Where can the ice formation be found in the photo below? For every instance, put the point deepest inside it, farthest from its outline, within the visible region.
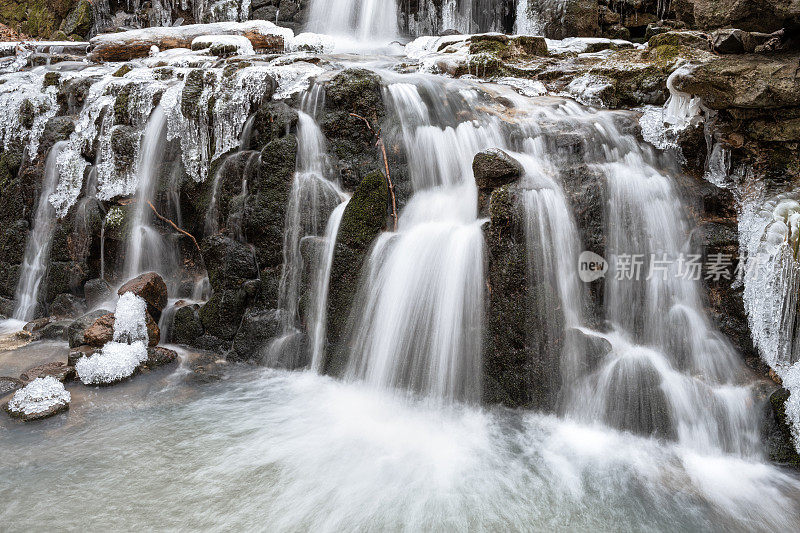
(121, 357)
(770, 235)
(39, 396)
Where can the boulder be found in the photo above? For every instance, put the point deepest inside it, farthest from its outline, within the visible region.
(57, 369)
(745, 81)
(79, 21)
(159, 356)
(778, 433)
(691, 39)
(734, 41)
(187, 326)
(222, 313)
(494, 168)
(56, 330)
(151, 288)
(39, 399)
(229, 263)
(102, 331)
(257, 328)
(749, 15)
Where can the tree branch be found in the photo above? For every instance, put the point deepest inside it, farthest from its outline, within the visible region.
(171, 223)
(379, 142)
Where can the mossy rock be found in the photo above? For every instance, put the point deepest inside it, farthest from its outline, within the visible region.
(124, 144)
(363, 220)
(122, 114)
(195, 83)
(784, 451)
(121, 71)
(27, 114)
(79, 21)
(691, 39)
(40, 20)
(222, 313)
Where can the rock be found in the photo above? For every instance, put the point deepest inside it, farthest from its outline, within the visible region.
(57, 369)
(258, 327)
(159, 356)
(151, 288)
(39, 399)
(187, 326)
(79, 21)
(690, 39)
(56, 330)
(9, 385)
(222, 313)
(97, 291)
(67, 305)
(508, 48)
(127, 45)
(494, 168)
(272, 121)
(746, 81)
(780, 445)
(56, 129)
(363, 220)
(229, 263)
(733, 41)
(749, 15)
(102, 331)
(75, 354)
(771, 130)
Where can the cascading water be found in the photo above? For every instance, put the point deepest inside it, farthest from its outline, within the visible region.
(37, 247)
(420, 325)
(312, 200)
(147, 249)
(362, 19)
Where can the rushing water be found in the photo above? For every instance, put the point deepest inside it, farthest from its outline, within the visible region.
(37, 247)
(295, 451)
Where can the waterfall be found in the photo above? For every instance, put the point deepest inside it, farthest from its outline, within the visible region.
(311, 201)
(552, 242)
(147, 249)
(37, 247)
(420, 323)
(318, 312)
(362, 19)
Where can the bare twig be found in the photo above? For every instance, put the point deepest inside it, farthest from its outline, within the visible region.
(171, 223)
(379, 143)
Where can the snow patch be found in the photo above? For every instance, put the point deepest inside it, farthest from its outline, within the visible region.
(218, 45)
(116, 362)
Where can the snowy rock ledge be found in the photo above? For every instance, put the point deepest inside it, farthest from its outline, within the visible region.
(223, 45)
(39, 399)
(124, 46)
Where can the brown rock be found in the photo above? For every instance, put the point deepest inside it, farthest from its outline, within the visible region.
(494, 168)
(58, 369)
(151, 288)
(102, 331)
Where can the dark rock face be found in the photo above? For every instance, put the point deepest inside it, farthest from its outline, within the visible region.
(257, 329)
(362, 221)
(151, 288)
(506, 364)
(187, 326)
(9, 385)
(222, 313)
(494, 168)
(96, 291)
(67, 305)
(776, 431)
(229, 263)
(359, 92)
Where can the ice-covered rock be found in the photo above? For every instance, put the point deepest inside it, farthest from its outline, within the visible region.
(130, 319)
(223, 45)
(40, 398)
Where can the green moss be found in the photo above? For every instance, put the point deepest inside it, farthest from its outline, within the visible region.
(121, 71)
(192, 90)
(27, 112)
(122, 113)
(487, 47)
(40, 21)
(365, 214)
(79, 21)
(51, 79)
